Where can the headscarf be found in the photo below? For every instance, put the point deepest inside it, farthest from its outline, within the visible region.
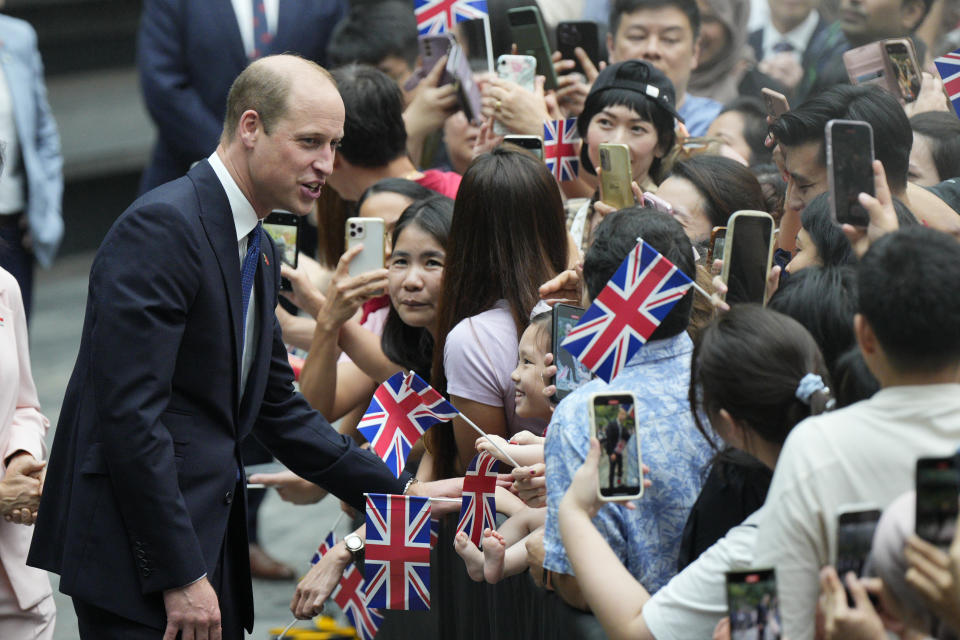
(718, 78)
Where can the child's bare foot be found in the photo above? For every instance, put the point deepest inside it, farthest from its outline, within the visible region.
(472, 557)
(493, 550)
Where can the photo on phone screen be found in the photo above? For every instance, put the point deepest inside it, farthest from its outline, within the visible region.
(718, 238)
(905, 72)
(585, 35)
(747, 253)
(753, 605)
(283, 228)
(614, 424)
(849, 169)
(938, 491)
(571, 373)
(855, 527)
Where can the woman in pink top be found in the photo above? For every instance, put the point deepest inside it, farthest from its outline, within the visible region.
(26, 601)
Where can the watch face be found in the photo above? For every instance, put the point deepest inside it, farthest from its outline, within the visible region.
(353, 542)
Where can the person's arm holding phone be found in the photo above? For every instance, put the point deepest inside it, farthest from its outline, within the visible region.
(521, 111)
(321, 381)
(431, 105)
(935, 574)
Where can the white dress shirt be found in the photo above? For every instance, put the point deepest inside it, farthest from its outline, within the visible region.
(245, 219)
(798, 38)
(244, 11)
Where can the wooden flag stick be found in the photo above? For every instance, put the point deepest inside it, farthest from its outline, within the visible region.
(490, 440)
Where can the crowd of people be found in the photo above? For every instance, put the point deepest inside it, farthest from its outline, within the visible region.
(757, 424)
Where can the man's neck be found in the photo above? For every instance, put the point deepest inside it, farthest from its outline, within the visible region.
(785, 26)
(946, 375)
(232, 161)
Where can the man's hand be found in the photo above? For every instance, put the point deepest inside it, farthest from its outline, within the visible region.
(935, 575)
(567, 287)
(430, 104)
(858, 623)
(320, 582)
(193, 611)
(20, 488)
(290, 487)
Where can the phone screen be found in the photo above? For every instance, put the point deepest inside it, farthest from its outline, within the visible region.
(753, 605)
(938, 491)
(585, 35)
(614, 422)
(748, 259)
(850, 169)
(283, 228)
(854, 539)
(571, 373)
(718, 238)
(908, 81)
(533, 144)
(472, 36)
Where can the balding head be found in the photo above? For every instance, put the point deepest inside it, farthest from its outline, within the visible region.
(264, 86)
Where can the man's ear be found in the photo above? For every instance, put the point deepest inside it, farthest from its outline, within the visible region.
(249, 128)
(696, 54)
(912, 13)
(866, 338)
(610, 55)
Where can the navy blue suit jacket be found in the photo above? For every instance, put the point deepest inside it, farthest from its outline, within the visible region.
(190, 52)
(145, 461)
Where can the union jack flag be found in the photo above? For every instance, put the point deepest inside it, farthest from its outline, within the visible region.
(559, 151)
(479, 504)
(630, 308)
(439, 16)
(402, 409)
(949, 68)
(325, 546)
(397, 552)
(349, 597)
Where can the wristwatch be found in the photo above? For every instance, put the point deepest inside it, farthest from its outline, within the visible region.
(355, 545)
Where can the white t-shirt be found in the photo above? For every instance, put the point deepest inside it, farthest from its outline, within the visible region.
(694, 601)
(865, 453)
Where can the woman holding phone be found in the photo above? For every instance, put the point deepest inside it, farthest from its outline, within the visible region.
(508, 236)
(631, 103)
(755, 375)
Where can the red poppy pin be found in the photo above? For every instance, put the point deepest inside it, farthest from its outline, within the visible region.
(266, 260)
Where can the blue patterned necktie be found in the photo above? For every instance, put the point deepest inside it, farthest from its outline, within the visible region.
(247, 273)
(261, 36)
(783, 47)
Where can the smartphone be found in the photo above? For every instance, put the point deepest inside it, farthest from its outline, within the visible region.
(747, 255)
(585, 35)
(616, 175)
(370, 233)
(752, 604)
(527, 32)
(521, 70)
(431, 48)
(849, 169)
(284, 228)
(613, 422)
(775, 102)
(533, 144)
(903, 77)
(652, 201)
(474, 37)
(866, 64)
(718, 238)
(571, 374)
(938, 493)
(855, 527)
(468, 93)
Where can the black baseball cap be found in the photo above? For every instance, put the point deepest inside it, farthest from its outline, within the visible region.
(639, 76)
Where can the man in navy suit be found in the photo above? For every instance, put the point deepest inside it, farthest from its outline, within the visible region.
(181, 358)
(190, 52)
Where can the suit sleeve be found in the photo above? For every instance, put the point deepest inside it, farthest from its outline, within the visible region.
(142, 284)
(304, 441)
(173, 102)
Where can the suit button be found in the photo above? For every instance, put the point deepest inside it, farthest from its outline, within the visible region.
(228, 497)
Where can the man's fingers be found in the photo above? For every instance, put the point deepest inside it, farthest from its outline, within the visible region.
(170, 633)
(860, 597)
(589, 69)
(432, 79)
(216, 632)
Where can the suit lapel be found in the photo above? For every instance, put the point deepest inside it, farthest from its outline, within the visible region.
(217, 220)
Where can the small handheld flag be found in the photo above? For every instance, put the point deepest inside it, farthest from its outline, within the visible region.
(349, 596)
(397, 552)
(949, 68)
(560, 152)
(439, 16)
(402, 409)
(628, 310)
(479, 504)
(325, 546)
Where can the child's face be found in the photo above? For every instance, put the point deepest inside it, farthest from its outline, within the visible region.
(528, 376)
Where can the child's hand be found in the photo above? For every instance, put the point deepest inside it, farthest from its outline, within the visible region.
(483, 444)
(525, 437)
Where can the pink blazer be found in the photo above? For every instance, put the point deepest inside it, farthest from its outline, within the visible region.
(22, 427)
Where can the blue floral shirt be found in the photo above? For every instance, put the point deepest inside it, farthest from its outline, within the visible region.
(647, 540)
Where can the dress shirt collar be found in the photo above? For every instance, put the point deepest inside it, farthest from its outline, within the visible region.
(244, 217)
(666, 349)
(799, 37)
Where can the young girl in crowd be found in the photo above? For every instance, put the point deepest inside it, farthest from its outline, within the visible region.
(508, 236)
(630, 103)
(755, 375)
(504, 553)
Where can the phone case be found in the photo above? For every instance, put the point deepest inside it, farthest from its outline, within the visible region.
(370, 233)
(848, 157)
(612, 468)
(468, 93)
(729, 243)
(585, 35)
(431, 49)
(527, 32)
(616, 176)
(775, 102)
(519, 69)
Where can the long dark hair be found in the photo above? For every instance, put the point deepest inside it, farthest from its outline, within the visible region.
(412, 347)
(508, 237)
(750, 362)
(726, 186)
